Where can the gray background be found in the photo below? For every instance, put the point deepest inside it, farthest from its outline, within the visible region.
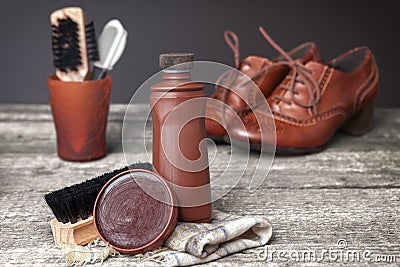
(197, 26)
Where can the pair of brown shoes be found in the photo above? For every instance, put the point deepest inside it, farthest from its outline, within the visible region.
(309, 100)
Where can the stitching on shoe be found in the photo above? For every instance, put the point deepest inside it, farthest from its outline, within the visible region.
(338, 110)
(325, 80)
(366, 87)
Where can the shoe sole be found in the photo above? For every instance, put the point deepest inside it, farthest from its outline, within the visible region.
(280, 151)
(288, 151)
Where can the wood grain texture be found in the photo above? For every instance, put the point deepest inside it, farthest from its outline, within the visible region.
(349, 191)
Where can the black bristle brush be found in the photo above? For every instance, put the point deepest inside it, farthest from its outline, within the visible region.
(69, 44)
(74, 205)
(65, 45)
(77, 201)
(91, 42)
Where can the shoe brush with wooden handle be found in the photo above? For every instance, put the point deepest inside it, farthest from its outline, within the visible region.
(111, 45)
(73, 206)
(69, 44)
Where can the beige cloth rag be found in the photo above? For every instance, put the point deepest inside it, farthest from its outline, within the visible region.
(196, 243)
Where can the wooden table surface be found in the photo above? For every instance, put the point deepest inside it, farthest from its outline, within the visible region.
(348, 193)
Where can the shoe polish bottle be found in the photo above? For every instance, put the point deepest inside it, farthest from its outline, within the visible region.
(179, 144)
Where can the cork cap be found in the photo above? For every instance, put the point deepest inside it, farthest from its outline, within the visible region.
(172, 59)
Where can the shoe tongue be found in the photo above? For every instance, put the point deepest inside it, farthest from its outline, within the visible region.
(316, 67)
(252, 64)
(317, 70)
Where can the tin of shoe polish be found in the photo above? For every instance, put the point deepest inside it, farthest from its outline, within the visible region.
(128, 218)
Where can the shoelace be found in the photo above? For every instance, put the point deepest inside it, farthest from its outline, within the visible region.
(233, 41)
(230, 77)
(300, 74)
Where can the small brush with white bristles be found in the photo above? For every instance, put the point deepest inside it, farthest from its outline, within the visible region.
(111, 45)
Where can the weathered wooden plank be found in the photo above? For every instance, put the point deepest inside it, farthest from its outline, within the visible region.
(19, 139)
(29, 128)
(349, 191)
(35, 112)
(34, 137)
(302, 219)
(46, 172)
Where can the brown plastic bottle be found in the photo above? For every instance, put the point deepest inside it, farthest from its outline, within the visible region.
(179, 154)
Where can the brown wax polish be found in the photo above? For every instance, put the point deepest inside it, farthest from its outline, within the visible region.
(129, 218)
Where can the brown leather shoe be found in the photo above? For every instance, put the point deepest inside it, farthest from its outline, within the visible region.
(313, 102)
(264, 73)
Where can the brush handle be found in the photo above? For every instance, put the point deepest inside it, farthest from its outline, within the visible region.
(98, 73)
(80, 233)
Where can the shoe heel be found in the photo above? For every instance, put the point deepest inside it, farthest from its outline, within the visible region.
(361, 122)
